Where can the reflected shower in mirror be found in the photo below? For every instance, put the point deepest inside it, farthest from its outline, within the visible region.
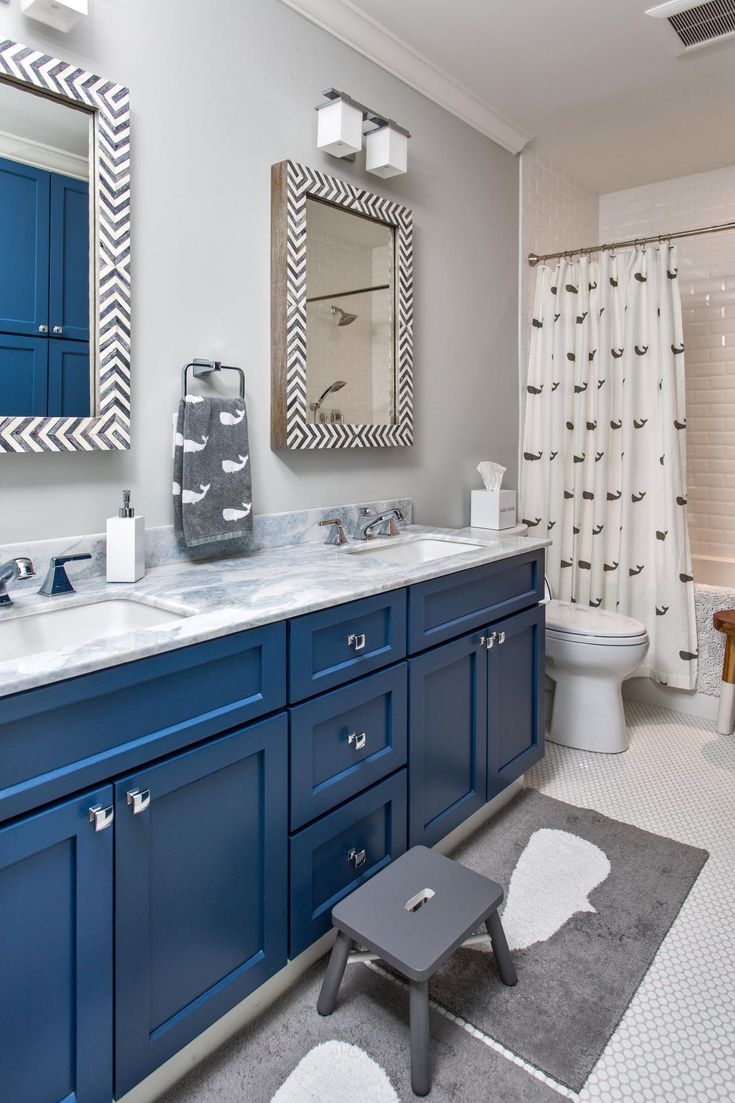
(350, 299)
(45, 271)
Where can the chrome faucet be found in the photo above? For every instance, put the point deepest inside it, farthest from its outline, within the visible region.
(336, 532)
(14, 568)
(370, 524)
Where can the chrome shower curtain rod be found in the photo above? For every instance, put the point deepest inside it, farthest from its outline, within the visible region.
(534, 258)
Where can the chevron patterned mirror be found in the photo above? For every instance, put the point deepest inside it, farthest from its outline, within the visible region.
(342, 314)
(64, 261)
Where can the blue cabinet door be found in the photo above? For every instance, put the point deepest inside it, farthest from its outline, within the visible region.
(23, 375)
(56, 956)
(24, 256)
(447, 737)
(69, 379)
(201, 915)
(69, 264)
(515, 698)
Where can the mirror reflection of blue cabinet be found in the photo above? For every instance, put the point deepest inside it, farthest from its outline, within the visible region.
(44, 293)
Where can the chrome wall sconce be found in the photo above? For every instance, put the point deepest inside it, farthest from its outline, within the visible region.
(343, 122)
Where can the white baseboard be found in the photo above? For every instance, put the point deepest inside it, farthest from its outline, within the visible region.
(679, 700)
(160, 1081)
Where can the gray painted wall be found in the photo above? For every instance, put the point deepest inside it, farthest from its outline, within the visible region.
(219, 92)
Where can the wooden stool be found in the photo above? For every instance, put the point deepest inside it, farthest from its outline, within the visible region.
(724, 621)
(414, 914)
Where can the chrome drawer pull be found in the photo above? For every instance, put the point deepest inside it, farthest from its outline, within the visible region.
(501, 637)
(357, 740)
(101, 817)
(139, 799)
(358, 642)
(357, 857)
(489, 641)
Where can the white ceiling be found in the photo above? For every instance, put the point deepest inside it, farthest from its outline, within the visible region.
(596, 84)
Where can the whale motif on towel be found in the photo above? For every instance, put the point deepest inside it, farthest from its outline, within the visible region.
(190, 497)
(190, 445)
(559, 868)
(237, 514)
(230, 466)
(176, 489)
(194, 399)
(231, 419)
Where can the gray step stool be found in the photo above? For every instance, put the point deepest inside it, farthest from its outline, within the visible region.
(413, 915)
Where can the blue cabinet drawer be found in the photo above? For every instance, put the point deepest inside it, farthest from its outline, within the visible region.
(335, 645)
(442, 608)
(340, 851)
(343, 741)
(61, 738)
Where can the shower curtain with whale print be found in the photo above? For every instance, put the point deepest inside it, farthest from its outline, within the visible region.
(604, 454)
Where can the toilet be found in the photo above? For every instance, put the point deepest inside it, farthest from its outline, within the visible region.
(589, 652)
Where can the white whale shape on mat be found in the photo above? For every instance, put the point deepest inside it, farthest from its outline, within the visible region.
(232, 419)
(551, 882)
(189, 445)
(230, 466)
(190, 497)
(336, 1072)
(237, 514)
(193, 398)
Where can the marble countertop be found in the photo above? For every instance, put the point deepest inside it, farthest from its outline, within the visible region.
(231, 595)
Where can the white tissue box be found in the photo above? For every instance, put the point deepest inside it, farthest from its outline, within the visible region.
(493, 509)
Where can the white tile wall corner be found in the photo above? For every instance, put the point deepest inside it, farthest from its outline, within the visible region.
(707, 272)
(557, 212)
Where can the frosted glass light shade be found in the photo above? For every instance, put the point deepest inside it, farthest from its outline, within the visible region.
(339, 129)
(62, 15)
(386, 152)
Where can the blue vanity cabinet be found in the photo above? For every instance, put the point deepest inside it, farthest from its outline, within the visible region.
(201, 895)
(69, 259)
(69, 379)
(515, 698)
(56, 954)
(24, 256)
(448, 737)
(23, 375)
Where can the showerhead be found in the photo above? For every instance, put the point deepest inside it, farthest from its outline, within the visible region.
(336, 386)
(345, 319)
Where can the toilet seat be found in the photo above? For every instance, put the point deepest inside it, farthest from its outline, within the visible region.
(582, 624)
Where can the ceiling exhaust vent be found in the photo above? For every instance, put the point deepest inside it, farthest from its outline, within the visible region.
(698, 24)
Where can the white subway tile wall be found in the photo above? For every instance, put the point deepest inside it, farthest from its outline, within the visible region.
(707, 273)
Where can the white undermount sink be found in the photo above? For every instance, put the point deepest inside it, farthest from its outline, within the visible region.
(73, 625)
(411, 553)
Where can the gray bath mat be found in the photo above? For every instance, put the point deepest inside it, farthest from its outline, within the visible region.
(360, 1054)
(588, 902)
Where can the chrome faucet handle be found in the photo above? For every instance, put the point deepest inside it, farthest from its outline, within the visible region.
(57, 580)
(336, 532)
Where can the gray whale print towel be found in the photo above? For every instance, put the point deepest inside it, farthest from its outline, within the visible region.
(212, 487)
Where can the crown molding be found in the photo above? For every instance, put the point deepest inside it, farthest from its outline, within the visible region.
(374, 41)
(16, 147)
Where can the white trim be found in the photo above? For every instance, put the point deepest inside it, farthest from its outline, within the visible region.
(41, 156)
(701, 705)
(370, 38)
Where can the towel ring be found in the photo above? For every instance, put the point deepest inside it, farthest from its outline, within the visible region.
(204, 367)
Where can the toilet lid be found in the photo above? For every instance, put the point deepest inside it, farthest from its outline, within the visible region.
(580, 620)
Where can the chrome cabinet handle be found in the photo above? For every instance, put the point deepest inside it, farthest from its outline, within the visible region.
(501, 637)
(489, 641)
(43, 329)
(101, 817)
(356, 857)
(139, 799)
(357, 740)
(58, 329)
(358, 642)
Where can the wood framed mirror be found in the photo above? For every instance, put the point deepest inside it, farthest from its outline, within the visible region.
(341, 314)
(65, 257)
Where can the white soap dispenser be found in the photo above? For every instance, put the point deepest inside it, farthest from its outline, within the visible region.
(125, 544)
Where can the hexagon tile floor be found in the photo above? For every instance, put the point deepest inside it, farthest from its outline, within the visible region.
(676, 1041)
